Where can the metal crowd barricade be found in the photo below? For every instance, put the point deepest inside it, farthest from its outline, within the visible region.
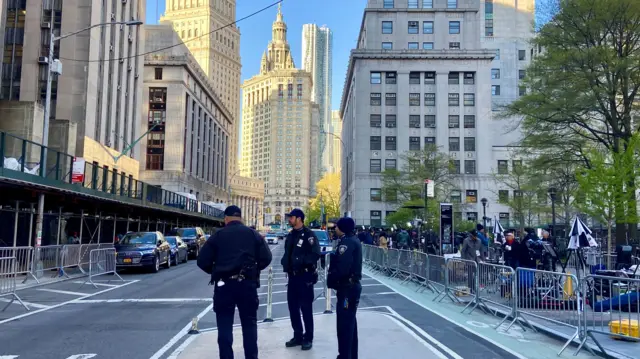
(70, 258)
(391, 261)
(23, 256)
(327, 290)
(46, 258)
(496, 285)
(84, 255)
(548, 296)
(461, 279)
(102, 262)
(420, 271)
(8, 281)
(269, 316)
(405, 265)
(611, 307)
(436, 271)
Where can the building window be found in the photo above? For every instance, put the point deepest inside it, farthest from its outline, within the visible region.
(390, 164)
(472, 216)
(158, 73)
(454, 167)
(155, 162)
(469, 144)
(375, 121)
(522, 55)
(497, 55)
(387, 27)
(414, 78)
(517, 166)
(503, 167)
(413, 4)
(412, 46)
(427, 45)
(289, 91)
(452, 4)
(390, 78)
(495, 90)
(472, 196)
(470, 167)
(454, 78)
(280, 91)
(376, 216)
(429, 78)
(495, 74)
(390, 121)
(469, 78)
(376, 78)
(390, 99)
(375, 194)
(454, 27)
(387, 4)
(414, 99)
(503, 196)
(430, 121)
(469, 99)
(522, 74)
(375, 143)
(413, 27)
(414, 143)
(427, 27)
(454, 99)
(299, 91)
(390, 143)
(488, 18)
(469, 121)
(428, 141)
(376, 99)
(456, 196)
(387, 46)
(522, 91)
(429, 99)
(454, 144)
(427, 4)
(454, 121)
(414, 121)
(454, 46)
(375, 166)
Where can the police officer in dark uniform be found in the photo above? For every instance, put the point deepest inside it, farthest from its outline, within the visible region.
(300, 262)
(345, 273)
(234, 256)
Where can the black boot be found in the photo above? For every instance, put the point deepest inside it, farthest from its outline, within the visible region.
(306, 345)
(294, 342)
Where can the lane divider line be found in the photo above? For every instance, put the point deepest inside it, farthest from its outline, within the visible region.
(28, 304)
(96, 283)
(176, 338)
(79, 294)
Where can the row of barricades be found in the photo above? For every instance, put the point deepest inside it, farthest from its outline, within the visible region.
(532, 298)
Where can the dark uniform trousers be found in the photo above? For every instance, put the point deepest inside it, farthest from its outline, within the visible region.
(300, 299)
(347, 326)
(244, 295)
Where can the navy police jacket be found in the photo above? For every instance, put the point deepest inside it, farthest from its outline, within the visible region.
(345, 263)
(301, 252)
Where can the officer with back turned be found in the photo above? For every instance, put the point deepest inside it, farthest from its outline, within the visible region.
(300, 262)
(345, 273)
(234, 256)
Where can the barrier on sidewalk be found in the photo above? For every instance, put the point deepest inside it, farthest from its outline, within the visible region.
(496, 285)
(102, 262)
(461, 278)
(70, 257)
(327, 290)
(436, 269)
(46, 258)
(269, 316)
(8, 281)
(23, 256)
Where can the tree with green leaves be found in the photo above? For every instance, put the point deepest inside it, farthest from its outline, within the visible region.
(582, 89)
(327, 199)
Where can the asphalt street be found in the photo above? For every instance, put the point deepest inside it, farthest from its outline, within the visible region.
(147, 316)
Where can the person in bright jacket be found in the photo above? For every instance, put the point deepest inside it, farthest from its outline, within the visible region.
(403, 239)
(383, 240)
(484, 239)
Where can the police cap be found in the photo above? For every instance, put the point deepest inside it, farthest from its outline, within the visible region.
(297, 212)
(232, 211)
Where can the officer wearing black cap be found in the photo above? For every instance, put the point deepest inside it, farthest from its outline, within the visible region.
(300, 262)
(234, 256)
(345, 272)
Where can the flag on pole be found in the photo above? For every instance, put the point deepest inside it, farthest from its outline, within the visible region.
(580, 236)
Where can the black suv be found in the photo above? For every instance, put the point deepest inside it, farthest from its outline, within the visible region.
(194, 238)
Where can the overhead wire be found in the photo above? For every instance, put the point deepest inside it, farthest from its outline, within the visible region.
(181, 42)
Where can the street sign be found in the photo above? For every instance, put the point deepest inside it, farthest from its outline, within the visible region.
(77, 172)
(430, 188)
(446, 227)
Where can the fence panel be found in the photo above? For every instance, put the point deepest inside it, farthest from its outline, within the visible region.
(70, 257)
(437, 267)
(611, 307)
(8, 281)
(461, 281)
(46, 258)
(405, 264)
(102, 262)
(496, 285)
(23, 256)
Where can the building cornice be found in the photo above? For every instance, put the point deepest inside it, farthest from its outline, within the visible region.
(192, 66)
(444, 54)
(275, 73)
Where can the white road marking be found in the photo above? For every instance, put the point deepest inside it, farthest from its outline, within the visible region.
(8, 356)
(80, 294)
(65, 303)
(82, 356)
(424, 342)
(440, 346)
(28, 304)
(96, 283)
(180, 334)
(508, 350)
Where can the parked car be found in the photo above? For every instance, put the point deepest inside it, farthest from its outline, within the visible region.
(282, 235)
(272, 238)
(146, 250)
(323, 239)
(194, 238)
(179, 250)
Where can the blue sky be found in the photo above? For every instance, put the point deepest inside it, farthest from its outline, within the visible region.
(343, 17)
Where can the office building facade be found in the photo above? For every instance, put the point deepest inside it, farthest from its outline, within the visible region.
(422, 74)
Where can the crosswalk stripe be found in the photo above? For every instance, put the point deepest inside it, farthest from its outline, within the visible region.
(28, 304)
(8, 356)
(82, 356)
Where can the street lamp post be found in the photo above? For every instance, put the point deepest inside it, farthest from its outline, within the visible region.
(344, 150)
(484, 212)
(47, 108)
(552, 195)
